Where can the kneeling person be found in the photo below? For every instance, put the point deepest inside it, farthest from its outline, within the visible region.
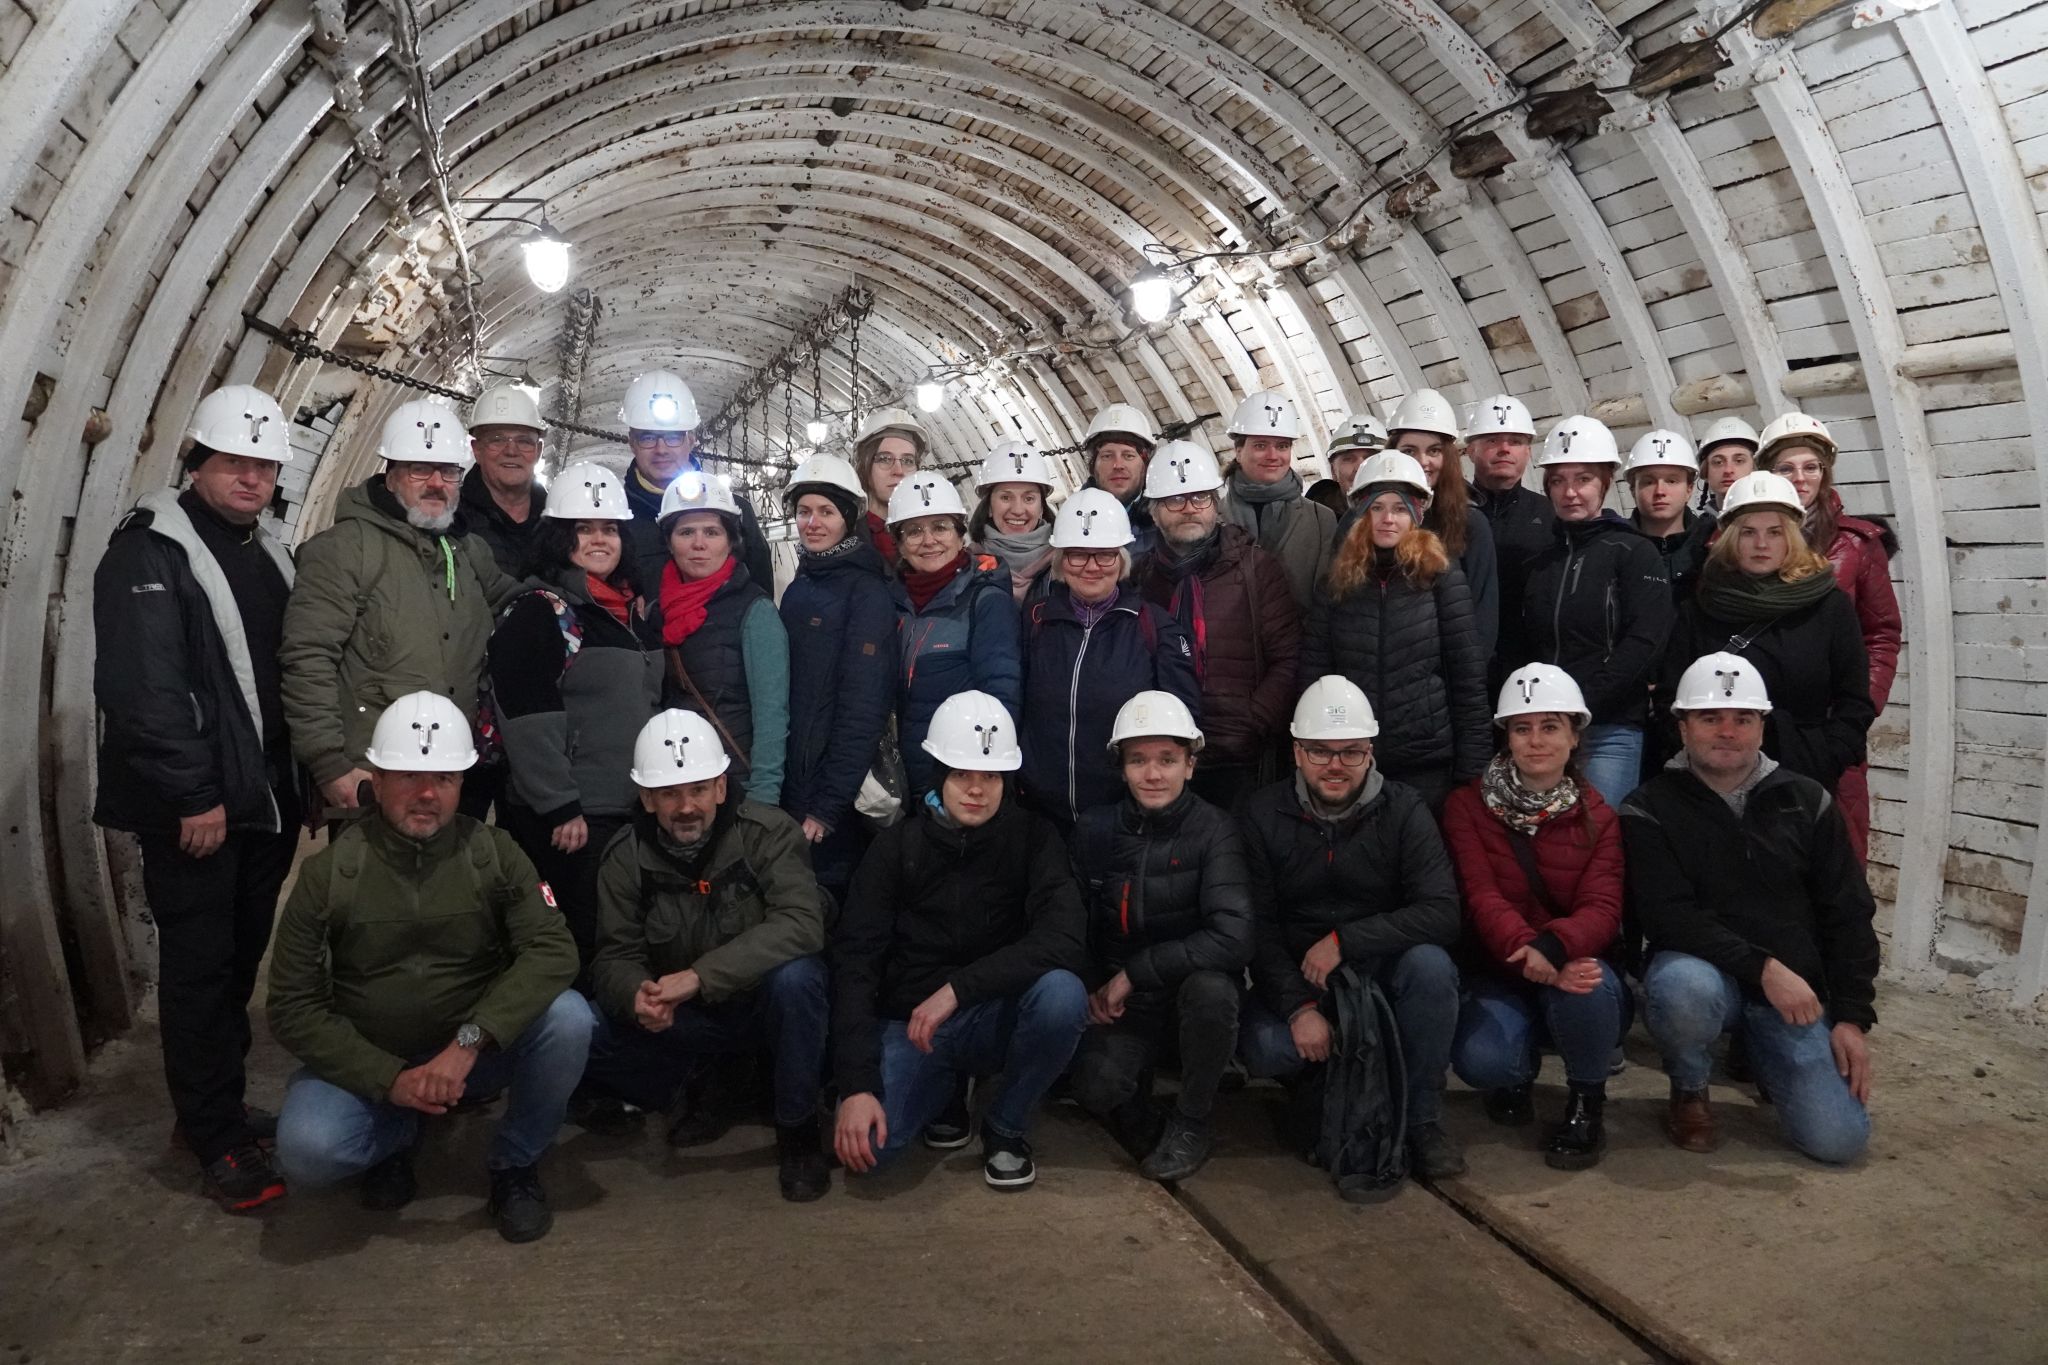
(420, 962)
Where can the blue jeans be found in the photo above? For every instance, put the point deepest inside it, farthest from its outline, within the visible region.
(326, 1134)
(1611, 757)
(1028, 1037)
(1503, 1024)
(1422, 986)
(786, 1011)
(1689, 1003)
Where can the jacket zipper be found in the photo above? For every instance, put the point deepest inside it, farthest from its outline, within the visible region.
(1123, 910)
(1074, 721)
(1557, 603)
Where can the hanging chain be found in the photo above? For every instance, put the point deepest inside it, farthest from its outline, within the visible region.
(818, 385)
(853, 376)
(788, 417)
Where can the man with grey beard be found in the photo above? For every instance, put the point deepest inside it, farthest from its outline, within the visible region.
(396, 597)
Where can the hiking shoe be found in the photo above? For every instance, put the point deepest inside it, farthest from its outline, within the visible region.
(1182, 1150)
(243, 1180)
(1510, 1106)
(800, 1167)
(1433, 1154)
(1006, 1161)
(1577, 1142)
(952, 1128)
(390, 1185)
(518, 1205)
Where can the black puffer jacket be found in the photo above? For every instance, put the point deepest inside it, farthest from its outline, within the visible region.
(1523, 525)
(1598, 606)
(1166, 892)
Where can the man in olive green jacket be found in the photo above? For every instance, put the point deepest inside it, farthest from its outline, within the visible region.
(421, 961)
(709, 929)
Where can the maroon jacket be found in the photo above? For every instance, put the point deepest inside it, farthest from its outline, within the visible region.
(1863, 569)
(1581, 868)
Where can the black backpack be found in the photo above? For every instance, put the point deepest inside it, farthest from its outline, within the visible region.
(1363, 1144)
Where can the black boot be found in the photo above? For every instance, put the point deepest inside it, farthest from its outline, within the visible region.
(1577, 1142)
(1509, 1106)
(703, 1110)
(1434, 1154)
(1182, 1150)
(800, 1163)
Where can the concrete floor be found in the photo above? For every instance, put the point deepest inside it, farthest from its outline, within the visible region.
(1935, 1248)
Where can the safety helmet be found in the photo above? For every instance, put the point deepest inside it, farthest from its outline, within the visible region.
(1268, 412)
(676, 747)
(1662, 448)
(1721, 682)
(696, 491)
(897, 419)
(1014, 462)
(1091, 519)
(1579, 440)
(1119, 419)
(1501, 415)
(1391, 466)
(1537, 688)
(927, 493)
(659, 401)
(1794, 428)
(1332, 707)
(1424, 410)
(1181, 467)
(587, 491)
(1360, 431)
(971, 731)
(1729, 429)
(421, 732)
(242, 419)
(506, 405)
(424, 431)
(1759, 491)
(1155, 715)
(823, 473)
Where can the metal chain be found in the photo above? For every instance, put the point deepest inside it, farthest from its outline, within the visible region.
(853, 378)
(788, 417)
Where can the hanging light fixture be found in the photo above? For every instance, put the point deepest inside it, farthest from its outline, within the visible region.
(816, 430)
(1152, 294)
(547, 259)
(930, 395)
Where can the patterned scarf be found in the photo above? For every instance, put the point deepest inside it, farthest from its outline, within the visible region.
(1515, 806)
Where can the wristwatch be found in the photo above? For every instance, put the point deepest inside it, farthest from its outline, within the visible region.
(470, 1036)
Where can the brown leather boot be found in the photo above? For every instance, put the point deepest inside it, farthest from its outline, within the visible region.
(1689, 1122)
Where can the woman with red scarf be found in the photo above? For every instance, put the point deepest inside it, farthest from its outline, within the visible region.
(725, 654)
(571, 685)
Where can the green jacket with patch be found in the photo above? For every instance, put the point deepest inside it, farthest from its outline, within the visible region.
(389, 944)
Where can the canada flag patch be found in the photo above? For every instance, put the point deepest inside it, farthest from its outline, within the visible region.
(547, 893)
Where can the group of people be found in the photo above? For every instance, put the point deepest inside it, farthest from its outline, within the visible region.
(1184, 773)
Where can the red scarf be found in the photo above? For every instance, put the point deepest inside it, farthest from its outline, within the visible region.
(685, 605)
(923, 587)
(613, 600)
(878, 532)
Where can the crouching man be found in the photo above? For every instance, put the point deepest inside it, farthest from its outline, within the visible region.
(1758, 922)
(709, 926)
(419, 962)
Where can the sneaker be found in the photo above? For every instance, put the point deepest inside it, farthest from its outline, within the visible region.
(951, 1129)
(243, 1180)
(800, 1167)
(1183, 1149)
(1433, 1154)
(1510, 1106)
(518, 1204)
(1006, 1161)
(390, 1185)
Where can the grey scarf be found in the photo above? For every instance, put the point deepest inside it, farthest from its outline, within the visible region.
(1248, 500)
(1022, 555)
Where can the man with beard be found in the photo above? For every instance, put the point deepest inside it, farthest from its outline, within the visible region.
(1119, 444)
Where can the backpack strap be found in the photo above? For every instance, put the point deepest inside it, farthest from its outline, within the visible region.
(1525, 854)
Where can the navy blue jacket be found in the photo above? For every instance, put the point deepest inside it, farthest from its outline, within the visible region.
(964, 640)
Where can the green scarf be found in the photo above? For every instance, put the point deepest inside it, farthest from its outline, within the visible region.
(1757, 599)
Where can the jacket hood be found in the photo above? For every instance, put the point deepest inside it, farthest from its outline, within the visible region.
(374, 504)
(1608, 523)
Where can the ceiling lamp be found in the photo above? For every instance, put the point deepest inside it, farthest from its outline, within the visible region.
(816, 430)
(547, 260)
(930, 395)
(1152, 295)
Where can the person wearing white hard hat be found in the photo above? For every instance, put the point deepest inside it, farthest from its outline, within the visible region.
(1662, 474)
(420, 963)
(660, 416)
(1425, 429)
(890, 446)
(958, 954)
(1119, 443)
(1264, 495)
(1237, 607)
(396, 596)
(1860, 549)
(1089, 645)
(1597, 603)
(1348, 869)
(1768, 596)
(1500, 437)
(194, 759)
(1361, 436)
(1165, 979)
(711, 931)
(1538, 857)
(726, 653)
(1013, 519)
(1394, 615)
(1758, 921)
(500, 496)
(572, 681)
(1727, 452)
(841, 621)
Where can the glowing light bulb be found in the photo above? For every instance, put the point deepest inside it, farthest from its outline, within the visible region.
(930, 395)
(817, 430)
(1152, 295)
(547, 262)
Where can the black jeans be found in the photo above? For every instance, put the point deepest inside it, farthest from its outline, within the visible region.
(571, 876)
(213, 918)
(1114, 1060)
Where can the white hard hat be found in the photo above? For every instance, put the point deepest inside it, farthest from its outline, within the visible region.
(1662, 448)
(1360, 431)
(1181, 467)
(1759, 491)
(1119, 419)
(1794, 428)
(1424, 410)
(1729, 429)
(676, 747)
(1721, 682)
(1579, 440)
(421, 732)
(1501, 415)
(1536, 688)
(1091, 519)
(242, 419)
(587, 491)
(424, 432)
(1268, 412)
(927, 493)
(659, 401)
(1014, 462)
(1332, 707)
(506, 405)
(696, 491)
(1152, 715)
(824, 471)
(898, 419)
(1390, 466)
(971, 731)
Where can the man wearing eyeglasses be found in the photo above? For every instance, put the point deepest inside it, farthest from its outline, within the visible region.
(1348, 867)
(660, 415)
(501, 500)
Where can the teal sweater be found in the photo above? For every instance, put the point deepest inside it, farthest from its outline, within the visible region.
(765, 646)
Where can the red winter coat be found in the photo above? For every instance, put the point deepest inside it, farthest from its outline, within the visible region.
(1583, 874)
(1863, 570)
